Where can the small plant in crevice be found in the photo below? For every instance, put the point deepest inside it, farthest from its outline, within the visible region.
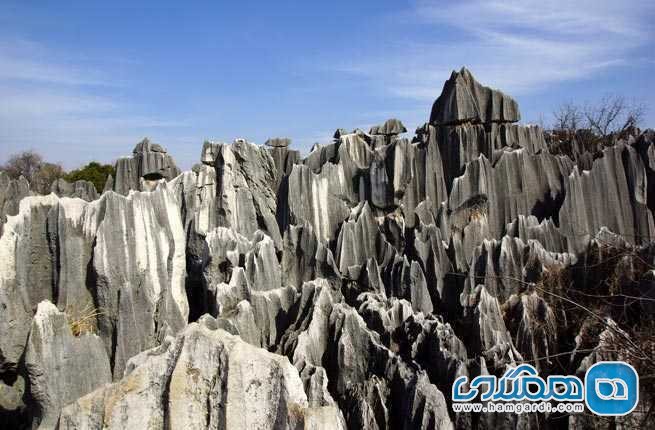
(82, 319)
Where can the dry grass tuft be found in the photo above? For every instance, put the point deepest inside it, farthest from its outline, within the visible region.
(83, 319)
(477, 212)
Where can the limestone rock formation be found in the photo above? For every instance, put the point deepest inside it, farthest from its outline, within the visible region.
(463, 99)
(391, 127)
(123, 257)
(81, 189)
(346, 289)
(204, 377)
(148, 164)
(245, 181)
(12, 191)
(61, 367)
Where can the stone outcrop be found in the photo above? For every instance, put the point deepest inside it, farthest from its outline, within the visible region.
(613, 194)
(12, 191)
(61, 367)
(122, 257)
(346, 289)
(80, 189)
(245, 181)
(204, 378)
(149, 164)
(463, 99)
(391, 127)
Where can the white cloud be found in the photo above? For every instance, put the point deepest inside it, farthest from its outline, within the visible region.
(26, 61)
(33, 102)
(519, 46)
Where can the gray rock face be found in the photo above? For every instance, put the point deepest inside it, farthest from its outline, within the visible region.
(245, 181)
(81, 189)
(205, 376)
(12, 191)
(546, 232)
(464, 143)
(346, 289)
(391, 127)
(26, 274)
(613, 194)
(463, 99)
(284, 159)
(493, 196)
(143, 298)
(322, 204)
(60, 366)
(148, 165)
(123, 258)
(209, 152)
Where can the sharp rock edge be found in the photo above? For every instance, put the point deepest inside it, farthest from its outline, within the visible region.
(345, 289)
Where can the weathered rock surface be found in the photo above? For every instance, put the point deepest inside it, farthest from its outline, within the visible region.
(121, 259)
(463, 99)
(345, 289)
(391, 127)
(61, 367)
(81, 189)
(205, 378)
(148, 165)
(245, 182)
(613, 194)
(25, 275)
(12, 191)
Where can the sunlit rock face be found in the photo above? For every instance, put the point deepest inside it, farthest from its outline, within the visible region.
(148, 164)
(347, 288)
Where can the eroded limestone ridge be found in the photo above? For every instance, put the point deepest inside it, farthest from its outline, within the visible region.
(345, 289)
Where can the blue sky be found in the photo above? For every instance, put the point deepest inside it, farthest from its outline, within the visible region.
(84, 80)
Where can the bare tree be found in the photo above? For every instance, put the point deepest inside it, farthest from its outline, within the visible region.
(30, 165)
(613, 114)
(45, 176)
(26, 164)
(568, 117)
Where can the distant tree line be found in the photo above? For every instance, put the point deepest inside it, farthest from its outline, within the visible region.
(612, 115)
(591, 127)
(93, 172)
(41, 174)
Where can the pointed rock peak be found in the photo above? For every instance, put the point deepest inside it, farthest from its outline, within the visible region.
(109, 184)
(466, 73)
(278, 142)
(463, 99)
(391, 127)
(340, 132)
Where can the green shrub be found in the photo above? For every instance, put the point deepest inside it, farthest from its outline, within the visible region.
(93, 172)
